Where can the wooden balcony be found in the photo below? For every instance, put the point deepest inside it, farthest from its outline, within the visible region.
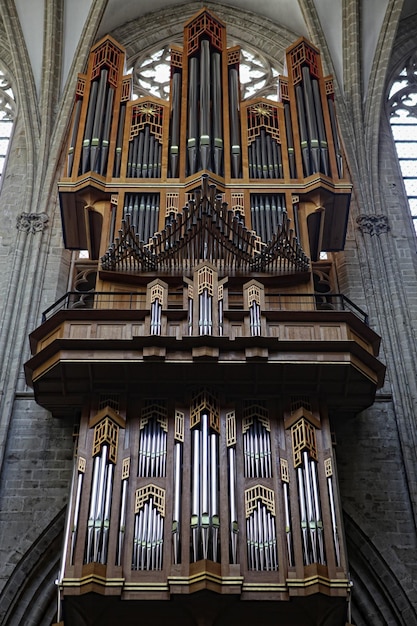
(328, 351)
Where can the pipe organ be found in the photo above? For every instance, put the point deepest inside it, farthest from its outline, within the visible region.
(205, 369)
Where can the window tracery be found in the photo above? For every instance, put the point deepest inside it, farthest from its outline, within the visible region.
(7, 116)
(151, 74)
(402, 108)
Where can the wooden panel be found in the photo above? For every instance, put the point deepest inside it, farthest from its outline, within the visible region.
(111, 331)
(79, 331)
(298, 332)
(330, 333)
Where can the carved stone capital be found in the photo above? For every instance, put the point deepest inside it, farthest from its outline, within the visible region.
(373, 224)
(32, 222)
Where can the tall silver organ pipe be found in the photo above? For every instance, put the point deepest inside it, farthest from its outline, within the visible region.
(335, 134)
(232, 505)
(235, 122)
(156, 317)
(122, 522)
(303, 130)
(152, 450)
(205, 520)
(288, 533)
(192, 115)
(313, 137)
(324, 154)
(217, 114)
(76, 124)
(257, 451)
(205, 139)
(310, 512)
(255, 319)
(336, 541)
(78, 484)
(175, 124)
(100, 506)
(205, 313)
(89, 127)
(176, 522)
(290, 140)
(119, 140)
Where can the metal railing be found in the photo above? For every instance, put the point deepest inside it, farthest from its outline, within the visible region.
(135, 300)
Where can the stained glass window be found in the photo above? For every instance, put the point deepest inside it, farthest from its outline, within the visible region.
(7, 115)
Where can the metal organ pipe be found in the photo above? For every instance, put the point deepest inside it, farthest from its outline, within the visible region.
(311, 120)
(205, 105)
(335, 134)
(192, 115)
(235, 122)
(89, 127)
(303, 130)
(290, 140)
(334, 521)
(320, 127)
(217, 113)
(232, 505)
(176, 526)
(175, 124)
(76, 124)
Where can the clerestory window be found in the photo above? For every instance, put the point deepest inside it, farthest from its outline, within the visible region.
(7, 116)
(402, 103)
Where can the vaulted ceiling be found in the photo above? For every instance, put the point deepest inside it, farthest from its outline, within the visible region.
(297, 16)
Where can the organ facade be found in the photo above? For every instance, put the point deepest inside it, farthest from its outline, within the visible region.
(204, 348)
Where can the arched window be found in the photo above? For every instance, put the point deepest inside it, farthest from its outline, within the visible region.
(402, 103)
(7, 116)
(151, 74)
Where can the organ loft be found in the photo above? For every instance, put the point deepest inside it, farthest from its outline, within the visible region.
(204, 350)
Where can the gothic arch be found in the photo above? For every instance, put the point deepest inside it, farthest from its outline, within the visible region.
(30, 596)
(377, 596)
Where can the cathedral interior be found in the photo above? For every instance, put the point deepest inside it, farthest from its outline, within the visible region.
(208, 313)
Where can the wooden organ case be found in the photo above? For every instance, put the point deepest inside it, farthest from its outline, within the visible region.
(203, 360)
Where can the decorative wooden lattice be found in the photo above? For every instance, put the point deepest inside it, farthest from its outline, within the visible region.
(205, 401)
(147, 113)
(220, 292)
(254, 295)
(328, 468)
(81, 464)
(205, 279)
(204, 23)
(303, 54)
(126, 468)
(106, 432)
(285, 476)
(233, 55)
(230, 429)
(190, 292)
(80, 86)
(303, 438)
(179, 426)
(176, 57)
(262, 115)
(157, 293)
(329, 86)
(259, 492)
(150, 491)
(252, 412)
(157, 411)
(126, 89)
(171, 203)
(238, 201)
(107, 55)
(283, 89)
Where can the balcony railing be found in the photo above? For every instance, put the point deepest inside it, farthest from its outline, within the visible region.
(136, 300)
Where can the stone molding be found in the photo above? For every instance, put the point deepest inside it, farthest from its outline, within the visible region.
(32, 222)
(373, 224)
